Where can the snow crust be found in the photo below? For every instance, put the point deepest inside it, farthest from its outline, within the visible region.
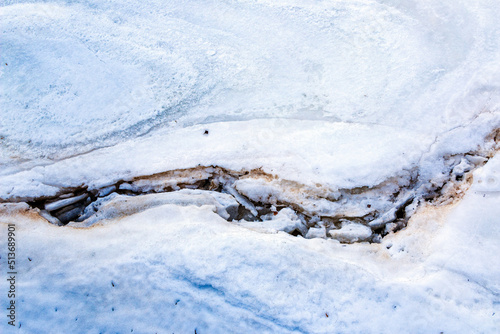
(199, 271)
(337, 155)
(324, 97)
(83, 75)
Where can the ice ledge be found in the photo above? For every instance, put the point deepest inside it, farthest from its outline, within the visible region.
(337, 155)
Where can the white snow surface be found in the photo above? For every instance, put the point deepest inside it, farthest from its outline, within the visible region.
(327, 94)
(177, 269)
(80, 75)
(332, 154)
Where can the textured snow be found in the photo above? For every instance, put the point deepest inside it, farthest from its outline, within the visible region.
(82, 75)
(176, 269)
(337, 155)
(326, 96)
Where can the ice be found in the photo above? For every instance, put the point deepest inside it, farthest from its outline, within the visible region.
(351, 232)
(121, 205)
(286, 220)
(243, 201)
(316, 232)
(201, 272)
(326, 110)
(51, 219)
(64, 202)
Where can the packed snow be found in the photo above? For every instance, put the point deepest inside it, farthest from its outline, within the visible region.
(177, 269)
(79, 75)
(251, 166)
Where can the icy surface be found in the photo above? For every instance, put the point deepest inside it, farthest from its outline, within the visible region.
(333, 154)
(79, 75)
(336, 104)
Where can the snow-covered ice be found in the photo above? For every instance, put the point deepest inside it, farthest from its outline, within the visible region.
(351, 232)
(185, 141)
(176, 269)
(79, 75)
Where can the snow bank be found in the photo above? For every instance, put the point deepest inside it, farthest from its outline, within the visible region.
(336, 155)
(175, 268)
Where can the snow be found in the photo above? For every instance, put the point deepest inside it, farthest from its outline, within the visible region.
(199, 271)
(86, 75)
(362, 155)
(351, 232)
(332, 108)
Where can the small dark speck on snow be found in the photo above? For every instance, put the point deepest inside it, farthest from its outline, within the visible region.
(205, 133)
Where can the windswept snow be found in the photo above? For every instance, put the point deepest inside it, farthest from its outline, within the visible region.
(79, 75)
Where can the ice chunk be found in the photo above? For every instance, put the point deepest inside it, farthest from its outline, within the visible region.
(121, 205)
(51, 219)
(316, 232)
(106, 191)
(286, 220)
(242, 200)
(64, 202)
(352, 232)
